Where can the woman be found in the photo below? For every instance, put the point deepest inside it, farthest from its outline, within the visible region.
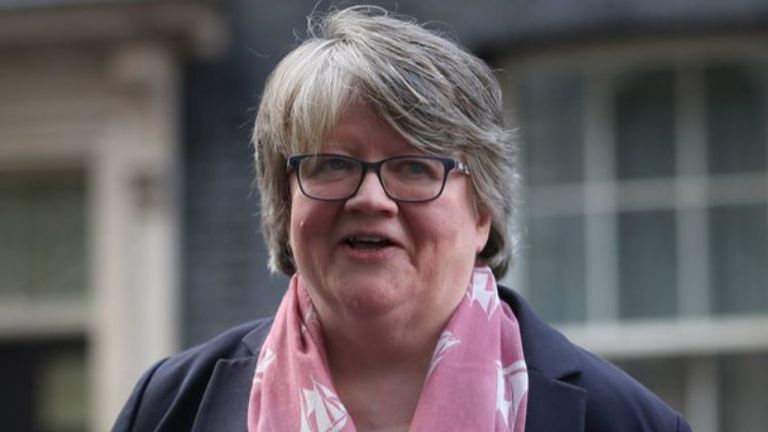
(388, 188)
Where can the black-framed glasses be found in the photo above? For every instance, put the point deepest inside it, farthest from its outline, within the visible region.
(333, 177)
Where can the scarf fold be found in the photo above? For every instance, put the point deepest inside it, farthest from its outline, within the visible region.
(477, 380)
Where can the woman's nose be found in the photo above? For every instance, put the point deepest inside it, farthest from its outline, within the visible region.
(371, 197)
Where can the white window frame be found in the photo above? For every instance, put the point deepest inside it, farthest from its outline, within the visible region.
(601, 193)
(693, 334)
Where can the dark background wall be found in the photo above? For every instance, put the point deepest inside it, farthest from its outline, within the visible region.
(225, 280)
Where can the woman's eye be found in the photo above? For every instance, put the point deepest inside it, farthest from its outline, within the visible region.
(336, 164)
(416, 168)
(412, 168)
(328, 166)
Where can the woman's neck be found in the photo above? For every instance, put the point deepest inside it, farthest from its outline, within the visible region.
(380, 391)
(379, 367)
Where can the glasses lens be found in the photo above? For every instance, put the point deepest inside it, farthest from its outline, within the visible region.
(413, 178)
(329, 177)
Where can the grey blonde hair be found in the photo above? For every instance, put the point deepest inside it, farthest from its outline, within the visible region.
(439, 97)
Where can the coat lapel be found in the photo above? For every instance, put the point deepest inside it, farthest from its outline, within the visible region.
(554, 405)
(224, 406)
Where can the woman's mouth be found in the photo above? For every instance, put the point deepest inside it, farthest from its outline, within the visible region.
(367, 242)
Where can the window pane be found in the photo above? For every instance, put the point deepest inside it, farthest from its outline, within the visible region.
(736, 119)
(644, 124)
(62, 392)
(44, 385)
(555, 254)
(42, 224)
(738, 258)
(647, 264)
(551, 127)
(743, 383)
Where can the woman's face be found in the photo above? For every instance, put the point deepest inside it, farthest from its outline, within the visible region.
(425, 263)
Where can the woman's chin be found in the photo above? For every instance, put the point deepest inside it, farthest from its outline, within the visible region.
(368, 296)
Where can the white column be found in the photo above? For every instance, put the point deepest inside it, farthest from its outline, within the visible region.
(135, 244)
(600, 200)
(701, 392)
(691, 195)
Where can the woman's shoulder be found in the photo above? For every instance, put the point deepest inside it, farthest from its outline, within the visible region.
(240, 341)
(615, 398)
(168, 394)
(565, 375)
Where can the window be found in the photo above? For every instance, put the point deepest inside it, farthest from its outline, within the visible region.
(88, 221)
(42, 224)
(43, 294)
(646, 213)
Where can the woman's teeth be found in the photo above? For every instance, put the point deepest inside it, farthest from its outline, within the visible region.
(367, 242)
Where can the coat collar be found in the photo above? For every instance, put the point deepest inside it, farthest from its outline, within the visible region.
(224, 405)
(546, 350)
(255, 338)
(554, 405)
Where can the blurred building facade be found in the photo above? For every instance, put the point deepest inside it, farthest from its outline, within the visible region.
(129, 227)
(90, 211)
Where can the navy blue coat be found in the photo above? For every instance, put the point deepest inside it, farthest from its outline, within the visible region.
(206, 388)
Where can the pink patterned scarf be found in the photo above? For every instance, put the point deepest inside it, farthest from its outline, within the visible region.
(477, 381)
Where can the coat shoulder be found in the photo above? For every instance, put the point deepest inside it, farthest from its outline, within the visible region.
(177, 383)
(612, 399)
(615, 399)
